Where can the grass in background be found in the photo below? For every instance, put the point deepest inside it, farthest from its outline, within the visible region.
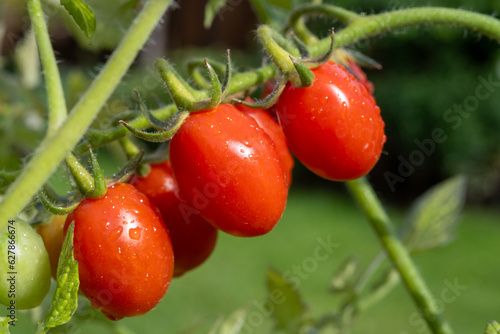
(234, 276)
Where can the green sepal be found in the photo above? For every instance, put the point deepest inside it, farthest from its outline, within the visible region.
(124, 174)
(279, 56)
(305, 74)
(226, 84)
(194, 69)
(316, 62)
(173, 124)
(181, 92)
(216, 95)
(131, 150)
(83, 179)
(100, 188)
(48, 202)
(156, 123)
(269, 100)
(65, 299)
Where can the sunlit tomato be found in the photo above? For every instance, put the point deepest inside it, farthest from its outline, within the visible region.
(228, 169)
(24, 267)
(124, 252)
(273, 129)
(333, 127)
(53, 238)
(193, 238)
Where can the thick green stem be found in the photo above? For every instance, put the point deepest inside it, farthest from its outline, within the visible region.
(365, 196)
(375, 24)
(55, 94)
(55, 148)
(296, 21)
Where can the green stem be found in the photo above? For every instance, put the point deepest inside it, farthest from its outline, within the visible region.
(414, 283)
(375, 24)
(296, 20)
(261, 11)
(54, 148)
(55, 94)
(83, 179)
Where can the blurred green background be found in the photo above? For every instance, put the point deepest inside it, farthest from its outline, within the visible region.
(426, 72)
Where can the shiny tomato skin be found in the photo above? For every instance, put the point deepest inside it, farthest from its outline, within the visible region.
(273, 130)
(333, 127)
(228, 169)
(124, 252)
(193, 238)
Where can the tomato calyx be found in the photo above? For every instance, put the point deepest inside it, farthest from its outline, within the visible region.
(186, 97)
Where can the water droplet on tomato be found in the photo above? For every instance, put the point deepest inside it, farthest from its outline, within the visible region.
(135, 233)
(116, 233)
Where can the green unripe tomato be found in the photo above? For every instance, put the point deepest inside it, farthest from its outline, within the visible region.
(24, 266)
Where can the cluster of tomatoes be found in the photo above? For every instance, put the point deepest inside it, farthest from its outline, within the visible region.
(230, 170)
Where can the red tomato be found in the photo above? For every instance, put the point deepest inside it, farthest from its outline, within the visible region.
(333, 127)
(273, 130)
(228, 168)
(193, 238)
(124, 252)
(361, 76)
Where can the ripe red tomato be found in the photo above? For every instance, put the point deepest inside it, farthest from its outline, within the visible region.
(228, 168)
(193, 238)
(124, 252)
(333, 127)
(360, 75)
(273, 130)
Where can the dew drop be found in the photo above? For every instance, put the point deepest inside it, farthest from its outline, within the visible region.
(116, 233)
(135, 233)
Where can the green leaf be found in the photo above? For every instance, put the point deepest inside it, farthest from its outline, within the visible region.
(433, 217)
(65, 300)
(234, 322)
(4, 325)
(345, 275)
(83, 16)
(492, 328)
(289, 309)
(211, 9)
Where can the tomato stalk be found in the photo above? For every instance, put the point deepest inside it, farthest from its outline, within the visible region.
(55, 94)
(371, 25)
(364, 194)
